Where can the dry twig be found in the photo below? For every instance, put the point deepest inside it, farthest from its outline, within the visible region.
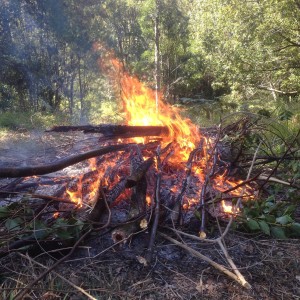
(208, 260)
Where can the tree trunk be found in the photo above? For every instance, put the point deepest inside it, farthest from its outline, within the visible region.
(156, 54)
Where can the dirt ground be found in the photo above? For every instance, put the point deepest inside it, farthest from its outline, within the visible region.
(107, 271)
(270, 266)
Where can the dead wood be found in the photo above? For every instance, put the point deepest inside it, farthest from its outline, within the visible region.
(149, 253)
(208, 177)
(176, 212)
(116, 191)
(122, 233)
(116, 131)
(59, 164)
(139, 173)
(138, 182)
(99, 205)
(219, 267)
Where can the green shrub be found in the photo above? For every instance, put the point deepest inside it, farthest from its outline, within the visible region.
(27, 120)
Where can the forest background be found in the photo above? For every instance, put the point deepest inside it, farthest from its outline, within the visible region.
(211, 56)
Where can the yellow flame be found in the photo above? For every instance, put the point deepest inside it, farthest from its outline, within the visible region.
(229, 208)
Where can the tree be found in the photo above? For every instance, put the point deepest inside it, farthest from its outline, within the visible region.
(248, 45)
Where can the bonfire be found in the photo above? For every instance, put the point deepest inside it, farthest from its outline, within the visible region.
(158, 167)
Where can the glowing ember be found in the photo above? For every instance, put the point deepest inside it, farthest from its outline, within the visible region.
(56, 215)
(148, 200)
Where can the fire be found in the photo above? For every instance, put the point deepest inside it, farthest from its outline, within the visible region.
(139, 103)
(56, 215)
(148, 200)
(141, 109)
(76, 196)
(228, 208)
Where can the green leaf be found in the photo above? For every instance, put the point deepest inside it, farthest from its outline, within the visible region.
(283, 220)
(197, 215)
(296, 228)
(41, 233)
(265, 228)
(13, 224)
(4, 212)
(278, 232)
(63, 234)
(285, 115)
(253, 225)
(290, 209)
(270, 218)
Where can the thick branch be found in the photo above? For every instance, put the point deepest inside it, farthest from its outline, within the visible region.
(59, 164)
(116, 131)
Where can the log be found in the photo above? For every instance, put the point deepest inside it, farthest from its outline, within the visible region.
(137, 180)
(115, 131)
(60, 164)
(139, 173)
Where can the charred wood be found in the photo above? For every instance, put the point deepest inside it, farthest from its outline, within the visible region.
(139, 173)
(116, 131)
(150, 250)
(138, 198)
(59, 164)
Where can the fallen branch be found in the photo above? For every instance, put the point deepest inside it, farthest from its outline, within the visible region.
(280, 161)
(59, 164)
(273, 179)
(39, 196)
(139, 173)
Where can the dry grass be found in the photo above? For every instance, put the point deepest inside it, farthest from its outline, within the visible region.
(271, 267)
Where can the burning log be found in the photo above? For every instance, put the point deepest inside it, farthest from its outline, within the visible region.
(116, 131)
(139, 173)
(59, 164)
(157, 207)
(137, 180)
(99, 205)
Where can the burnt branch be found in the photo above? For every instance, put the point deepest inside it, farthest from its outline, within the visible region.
(156, 209)
(60, 164)
(139, 173)
(115, 131)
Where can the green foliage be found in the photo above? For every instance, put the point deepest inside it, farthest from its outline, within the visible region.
(248, 45)
(274, 218)
(25, 120)
(20, 223)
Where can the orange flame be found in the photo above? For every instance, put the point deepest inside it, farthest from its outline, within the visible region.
(141, 108)
(229, 208)
(139, 103)
(76, 196)
(56, 215)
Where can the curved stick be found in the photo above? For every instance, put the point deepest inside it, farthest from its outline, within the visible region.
(57, 165)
